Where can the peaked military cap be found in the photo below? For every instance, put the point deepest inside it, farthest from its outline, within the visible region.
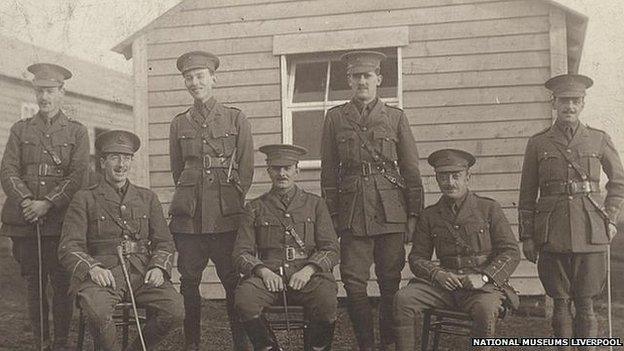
(197, 59)
(451, 160)
(48, 74)
(117, 141)
(569, 85)
(362, 61)
(282, 154)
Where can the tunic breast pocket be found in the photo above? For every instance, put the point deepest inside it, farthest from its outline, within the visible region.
(190, 143)
(591, 164)
(269, 233)
(30, 148)
(478, 233)
(387, 142)
(227, 140)
(139, 224)
(552, 166)
(345, 142)
(309, 232)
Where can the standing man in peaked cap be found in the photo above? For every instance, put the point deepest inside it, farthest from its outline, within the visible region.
(372, 186)
(476, 248)
(211, 152)
(43, 165)
(565, 226)
(116, 213)
(288, 229)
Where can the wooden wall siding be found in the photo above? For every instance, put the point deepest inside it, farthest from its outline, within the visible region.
(91, 112)
(473, 76)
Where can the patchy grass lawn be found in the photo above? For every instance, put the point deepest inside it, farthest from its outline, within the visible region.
(15, 331)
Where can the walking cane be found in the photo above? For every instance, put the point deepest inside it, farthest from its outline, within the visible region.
(609, 294)
(134, 307)
(40, 281)
(290, 346)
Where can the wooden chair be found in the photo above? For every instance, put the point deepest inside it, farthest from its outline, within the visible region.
(123, 318)
(275, 317)
(438, 321)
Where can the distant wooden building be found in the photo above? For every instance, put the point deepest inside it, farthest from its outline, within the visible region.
(469, 74)
(98, 97)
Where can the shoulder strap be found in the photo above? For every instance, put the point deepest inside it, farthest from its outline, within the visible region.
(118, 221)
(288, 228)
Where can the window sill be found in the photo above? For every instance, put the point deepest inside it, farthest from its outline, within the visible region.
(310, 164)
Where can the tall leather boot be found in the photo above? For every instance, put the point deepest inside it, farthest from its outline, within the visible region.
(387, 338)
(258, 333)
(239, 337)
(405, 337)
(192, 316)
(361, 317)
(585, 321)
(32, 286)
(321, 336)
(62, 310)
(562, 320)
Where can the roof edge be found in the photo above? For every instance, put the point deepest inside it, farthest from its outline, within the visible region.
(125, 46)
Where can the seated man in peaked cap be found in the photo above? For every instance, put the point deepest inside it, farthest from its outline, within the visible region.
(289, 230)
(476, 248)
(115, 213)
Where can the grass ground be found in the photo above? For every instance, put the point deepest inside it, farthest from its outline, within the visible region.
(15, 333)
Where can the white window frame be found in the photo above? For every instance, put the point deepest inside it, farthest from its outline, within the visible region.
(28, 110)
(288, 66)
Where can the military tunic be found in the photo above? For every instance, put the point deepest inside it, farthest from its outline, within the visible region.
(43, 161)
(560, 220)
(97, 221)
(476, 240)
(206, 143)
(262, 241)
(362, 199)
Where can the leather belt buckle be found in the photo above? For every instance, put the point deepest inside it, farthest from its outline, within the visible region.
(367, 168)
(579, 187)
(205, 164)
(129, 247)
(42, 169)
(290, 253)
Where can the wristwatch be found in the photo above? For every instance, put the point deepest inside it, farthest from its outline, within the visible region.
(485, 278)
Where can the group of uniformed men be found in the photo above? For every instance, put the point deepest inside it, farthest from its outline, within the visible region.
(286, 241)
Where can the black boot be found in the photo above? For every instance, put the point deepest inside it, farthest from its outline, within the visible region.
(361, 316)
(321, 335)
(258, 333)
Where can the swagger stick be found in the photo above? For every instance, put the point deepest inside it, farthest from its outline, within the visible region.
(290, 346)
(609, 294)
(40, 282)
(134, 307)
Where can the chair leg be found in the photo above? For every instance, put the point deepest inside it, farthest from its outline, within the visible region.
(424, 342)
(436, 339)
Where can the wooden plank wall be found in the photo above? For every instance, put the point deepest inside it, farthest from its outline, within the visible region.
(91, 112)
(473, 75)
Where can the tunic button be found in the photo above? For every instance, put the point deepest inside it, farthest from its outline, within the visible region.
(363, 146)
(42, 183)
(204, 141)
(456, 226)
(126, 237)
(45, 151)
(124, 222)
(286, 265)
(481, 231)
(226, 134)
(103, 218)
(47, 135)
(122, 207)
(570, 197)
(207, 171)
(364, 128)
(287, 215)
(204, 125)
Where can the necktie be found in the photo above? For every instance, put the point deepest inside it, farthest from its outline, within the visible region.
(455, 209)
(569, 133)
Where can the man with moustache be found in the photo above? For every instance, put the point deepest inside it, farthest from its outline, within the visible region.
(287, 229)
(43, 165)
(372, 186)
(566, 227)
(476, 248)
(211, 153)
(116, 213)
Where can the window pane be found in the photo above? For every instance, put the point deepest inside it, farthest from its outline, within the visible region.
(307, 128)
(339, 88)
(310, 82)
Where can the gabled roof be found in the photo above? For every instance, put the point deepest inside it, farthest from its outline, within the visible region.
(576, 24)
(89, 79)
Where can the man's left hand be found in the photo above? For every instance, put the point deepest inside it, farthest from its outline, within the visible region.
(474, 281)
(37, 209)
(155, 277)
(301, 277)
(410, 227)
